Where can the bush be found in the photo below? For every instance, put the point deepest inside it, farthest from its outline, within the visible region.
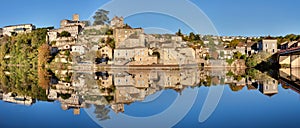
(65, 34)
(65, 96)
(230, 61)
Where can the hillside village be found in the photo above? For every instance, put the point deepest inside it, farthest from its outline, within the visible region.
(116, 43)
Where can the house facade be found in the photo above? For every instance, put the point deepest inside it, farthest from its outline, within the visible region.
(73, 26)
(134, 56)
(106, 51)
(121, 34)
(21, 28)
(117, 22)
(177, 56)
(268, 45)
(78, 49)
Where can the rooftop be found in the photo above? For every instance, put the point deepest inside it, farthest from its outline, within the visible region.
(17, 25)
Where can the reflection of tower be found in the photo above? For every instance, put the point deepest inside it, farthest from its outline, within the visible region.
(101, 112)
(76, 111)
(269, 87)
(117, 108)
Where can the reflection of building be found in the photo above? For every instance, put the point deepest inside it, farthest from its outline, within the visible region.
(269, 87)
(120, 87)
(117, 108)
(14, 98)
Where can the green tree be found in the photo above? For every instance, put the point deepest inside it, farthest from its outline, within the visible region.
(237, 55)
(234, 43)
(179, 33)
(87, 23)
(65, 34)
(100, 17)
(222, 54)
(192, 36)
(110, 42)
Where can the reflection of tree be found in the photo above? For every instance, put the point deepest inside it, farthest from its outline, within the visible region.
(235, 88)
(23, 81)
(44, 79)
(208, 81)
(101, 112)
(43, 55)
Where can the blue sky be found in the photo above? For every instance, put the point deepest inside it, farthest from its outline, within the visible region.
(230, 17)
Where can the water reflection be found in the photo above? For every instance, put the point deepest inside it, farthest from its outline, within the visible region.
(113, 89)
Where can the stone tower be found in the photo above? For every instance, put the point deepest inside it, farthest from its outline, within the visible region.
(75, 17)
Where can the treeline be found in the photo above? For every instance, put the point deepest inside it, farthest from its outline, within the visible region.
(22, 64)
(23, 81)
(288, 38)
(22, 49)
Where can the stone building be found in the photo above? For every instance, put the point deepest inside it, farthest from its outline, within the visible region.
(74, 27)
(251, 47)
(241, 47)
(117, 22)
(177, 56)
(268, 45)
(133, 41)
(21, 28)
(106, 51)
(63, 43)
(121, 34)
(134, 56)
(78, 49)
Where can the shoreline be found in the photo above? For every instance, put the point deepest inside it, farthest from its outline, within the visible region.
(147, 67)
